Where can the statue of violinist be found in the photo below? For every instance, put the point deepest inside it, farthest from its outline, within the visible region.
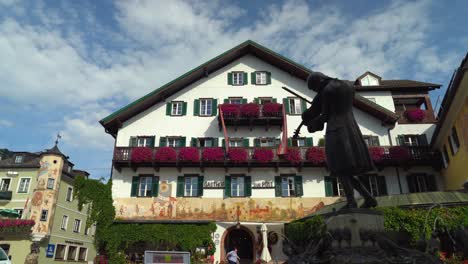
(346, 152)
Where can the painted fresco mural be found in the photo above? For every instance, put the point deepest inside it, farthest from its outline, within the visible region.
(166, 207)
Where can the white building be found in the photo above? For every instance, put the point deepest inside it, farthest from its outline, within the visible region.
(152, 186)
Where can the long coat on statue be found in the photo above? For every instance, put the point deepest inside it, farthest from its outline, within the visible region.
(345, 148)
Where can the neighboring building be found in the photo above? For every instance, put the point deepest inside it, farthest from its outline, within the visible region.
(152, 184)
(39, 186)
(451, 133)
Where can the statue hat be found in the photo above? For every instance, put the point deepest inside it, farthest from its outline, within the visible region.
(317, 80)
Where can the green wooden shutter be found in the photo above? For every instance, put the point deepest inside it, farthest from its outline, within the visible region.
(163, 141)
(451, 146)
(246, 78)
(278, 186)
(223, 143)
(401, 140)
(215, 142)
(155, 189)
(253, 79)
(286, 105)
(381, 185)
(422, 140)
(193, 142)
(168, 108)
(196, 107)
(229, 80)
(245, 142)
(150, 142)
(290, 141)
(431, 183)
(200, 186)
(180, 186)
(298, 185)
(303, 105)
(268, 77)
(184, 108)
(226, 101)
(227, 186)
(309, 142)
(274, 100)
(247, 186)
(256, 142)
(256, 100)
(214, 107)
(328, 186)
(133, 141)
(182, 142)
(244, 100)
(134, 189)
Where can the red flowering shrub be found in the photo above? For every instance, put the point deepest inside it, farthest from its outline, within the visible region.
(213, 154)
(250, 110)
(165, 154)
(263, 155)
(272, 109)
(142, 154)
(415, 115)
(16, 225)
(316, 155)
(230, 110)
(190, 154)
(293, 156)
(399, 153)
(237, 155)
(377, 153)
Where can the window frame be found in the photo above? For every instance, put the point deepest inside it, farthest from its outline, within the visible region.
(148, 188)
(241, 80)
(267, 139)
(2, 184)
(208, 109)
(205, 139)
(19, 159)
(85, 255)
(371, 139)
(144, 140)
(230, 100)
(68, 252)
(454, 141)
(20, 211)
(79, 226)
(257, 79)
(179, 106)
(261, 100)
(175, 140)
(67, 198)
(288, 178)
(48, 186)
(445, 157)
(44, 219)
(299, 103)
(239, 142)
(240, 187)
(295, 142)
(64, 251)
(64, 225)
(193, 182)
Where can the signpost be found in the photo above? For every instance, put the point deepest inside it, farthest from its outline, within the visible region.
(50, 250)
(167, 257)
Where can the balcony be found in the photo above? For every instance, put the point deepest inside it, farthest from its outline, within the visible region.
(251, 157)
(5, 195)
(250, 115)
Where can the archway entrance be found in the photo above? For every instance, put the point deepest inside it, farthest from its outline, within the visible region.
(242, 239)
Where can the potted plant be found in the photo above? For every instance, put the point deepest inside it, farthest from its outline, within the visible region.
(237, 155)
(316, 155)
(415, 115)
(230, 110)
(189, 154)
(272, 109)
(293, 156)
(377, 154)
(250, 110)
(213, 154)
(165, 154)
(142, 154)
(16, 225)
(263, 155)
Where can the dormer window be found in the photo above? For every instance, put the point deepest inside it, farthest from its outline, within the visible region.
(369, 79)
(18, 159)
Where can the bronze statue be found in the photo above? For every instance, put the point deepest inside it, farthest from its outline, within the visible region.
(346, 152)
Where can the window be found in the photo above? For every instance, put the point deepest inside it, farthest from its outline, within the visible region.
(412, 140)
(237, 186)
(145, 186)
(144, 141)
(50, 183)
(454, 141)
(87, 231)
(260, 78)
(445, 158)
(267, 142)
(176, 108)
(204, 142)
(206, 107)
(60, 251)
(82, 254)
(369, 80)
(235, 142)
(20, 213)
(69, 194)
(264, 100)
(421, 182)
(44, 214)
(375, 184)
(287, 186)
(238, 78)
(333, 187)
(77, 226)
(298, 142)
(71, 253)
(295, 106)
(18, 158)
(371, 140)
(173, 142)
(5, 185)
(191, 186)
(64, 224)
(235, 100)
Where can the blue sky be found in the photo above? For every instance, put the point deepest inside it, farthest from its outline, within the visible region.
(67, 64)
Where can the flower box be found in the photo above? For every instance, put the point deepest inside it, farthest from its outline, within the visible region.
(293, 156)
(399, 153)
(415, 115)
(230, 110)
(16, 225)
(237, 155)
(272, 109)
(263, 155)
(142, 154)
(250, 110)
(189, 154)
(316, 155)
(377, 154)
(165, 154)
(213, 154)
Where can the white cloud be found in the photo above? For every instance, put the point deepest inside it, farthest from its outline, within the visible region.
(5, 123)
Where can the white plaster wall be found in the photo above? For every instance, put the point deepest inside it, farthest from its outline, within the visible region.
(383, 98)
(410, 129)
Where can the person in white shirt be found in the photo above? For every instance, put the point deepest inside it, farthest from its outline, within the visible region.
(232, 256)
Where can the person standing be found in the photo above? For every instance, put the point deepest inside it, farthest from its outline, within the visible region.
(232, 256)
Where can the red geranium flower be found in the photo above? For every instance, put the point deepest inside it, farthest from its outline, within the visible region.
(316, 155)
(250, 110)
(415, 115)
(263, 155)
(377, 153)
(399, 153)
(189, 154)
(237, 155)
(142, 154)
(293, 156)
(165, 154)
(230, 110)
(272, 109)
(213, 154)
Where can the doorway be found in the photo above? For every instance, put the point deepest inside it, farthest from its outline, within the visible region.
(242, 239)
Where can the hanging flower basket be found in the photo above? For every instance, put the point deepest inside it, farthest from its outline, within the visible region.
(213, 154)
(237, 155)
(272, 109)
(142, 154)
(399, 153)
(189, 154)
(377, 154)
(16, 225)
(316, 155)
(230, 110)
(293, 156)
(263, 155)
(165, 154)
(415, 115)
(250, 110)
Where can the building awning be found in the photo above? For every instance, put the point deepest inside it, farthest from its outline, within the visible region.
(9, 213)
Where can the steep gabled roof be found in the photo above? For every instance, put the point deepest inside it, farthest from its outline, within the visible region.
(113, 122)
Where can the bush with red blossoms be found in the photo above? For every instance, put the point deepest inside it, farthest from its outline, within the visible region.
(263, 155)
(16, 225)
(250, 110)
(415, 115)
(272, 109)
(237, 155)
(189, 154)
(142, 154)
(213, 154)
(230, 110)
(377, 153)
(399, 153)
(293, 156)
(165, 154)
(316, 155)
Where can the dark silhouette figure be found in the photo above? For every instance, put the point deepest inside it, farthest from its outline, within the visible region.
(346, 151)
